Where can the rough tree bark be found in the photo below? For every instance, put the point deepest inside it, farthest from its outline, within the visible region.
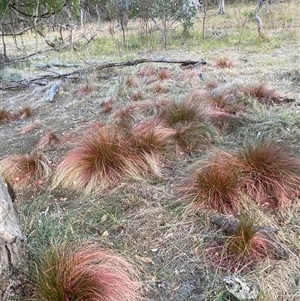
(12, 249)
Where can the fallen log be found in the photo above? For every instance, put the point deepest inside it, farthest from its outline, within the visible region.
(24, 83)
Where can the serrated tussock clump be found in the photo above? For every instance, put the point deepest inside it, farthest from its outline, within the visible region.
(243, 249)
(5, 116)
(271, 174)
(26, 170)
(85, 273)
(50, 139)
(224, 62)
(102, 158)
(214, 185)
(265, 171)
(263, 93)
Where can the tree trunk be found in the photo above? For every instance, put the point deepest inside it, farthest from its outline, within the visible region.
(12, 249)
(221, 9)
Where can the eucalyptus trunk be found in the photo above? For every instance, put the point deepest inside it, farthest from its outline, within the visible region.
(12, 249)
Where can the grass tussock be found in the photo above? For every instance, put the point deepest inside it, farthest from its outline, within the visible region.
(263, 93)
(85, 90)
(5, 116)
(24, 113)
(159, 88)
(164, 74)
(214, 185)
(21, 114)
(227, 123)
(147, 71)
(137, 95)
(184, 112)
(107, 105)
(224, 107)
(131, 81)
(227, 100)
(194, 136)
(224, 62)
(265, 171)
(50, 139)
(102, 158)
(190, 74)
(187, 118)
(271, 174)
(152, 137)
(153, 107)
(26, 170)
(124, 118)
(244, 249)
(85, 273)
(98, 160)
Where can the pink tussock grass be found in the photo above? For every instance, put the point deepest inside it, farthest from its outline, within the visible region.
(86, 273)
(26, 170)
(271, 174)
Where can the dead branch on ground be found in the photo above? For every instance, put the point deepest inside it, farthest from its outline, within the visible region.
(40, 80)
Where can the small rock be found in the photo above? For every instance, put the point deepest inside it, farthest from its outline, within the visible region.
(52, 93)
(241, 289)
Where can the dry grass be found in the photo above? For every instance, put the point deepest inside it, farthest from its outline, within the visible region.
(263, 93)
(24, 171)
(224, 107)
(147, 219)
(243, 250)
(190, 74)
(224, 62)
(50, 139)
(31, 127)
(159, 88)
(164, 73)
(85, 90)
(214, 185)
(102, 158)
(271, 174)
(85, 273)
(5, 116)
(227, 123)
(21, 114)
(107, 105)
(131, 81)
(137, 95)
(226, 99)
(124, 118)
(147, 71)
(152, 107)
